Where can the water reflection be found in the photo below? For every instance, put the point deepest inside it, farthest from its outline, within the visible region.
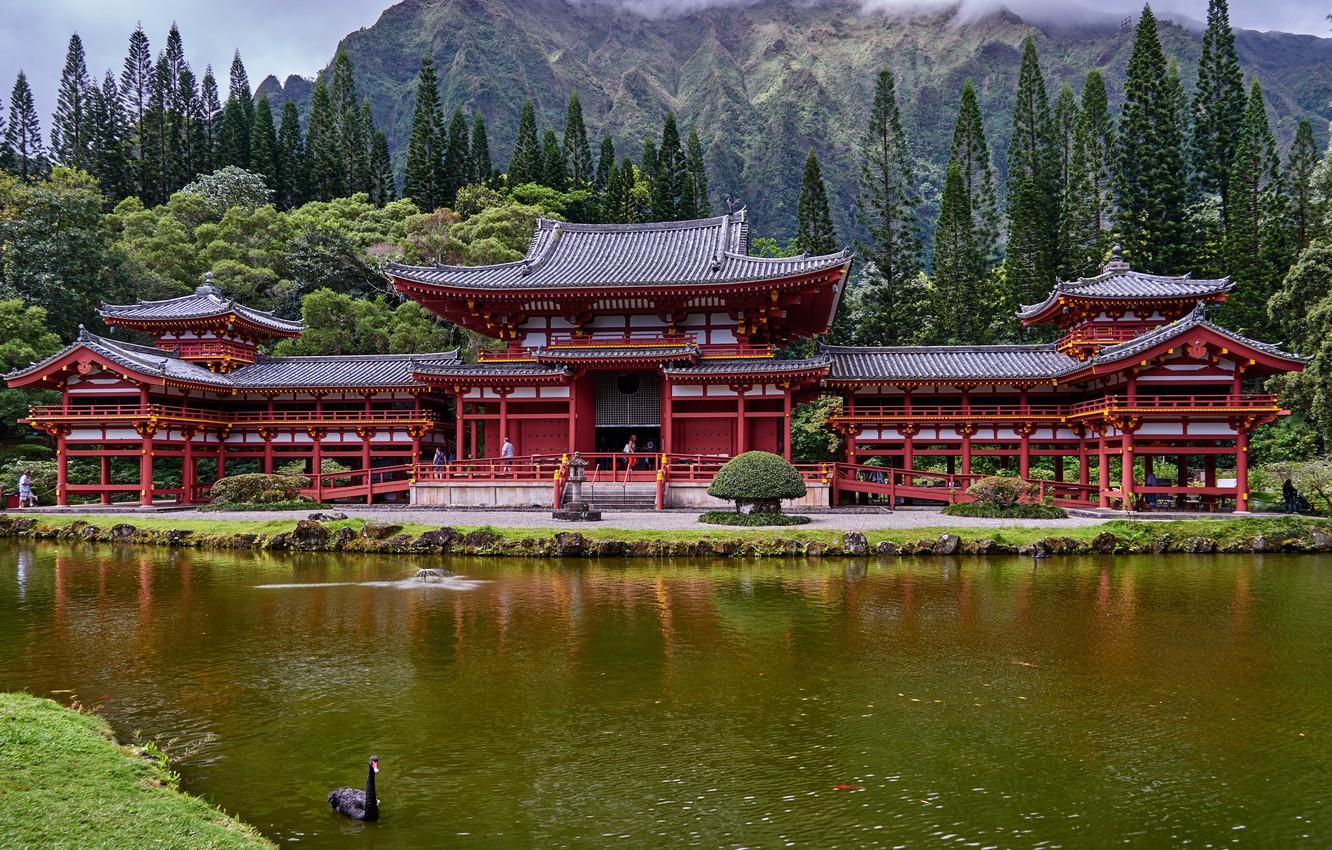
(548, 703)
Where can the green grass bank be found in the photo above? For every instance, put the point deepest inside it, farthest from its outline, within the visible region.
(1244, 534)
(66, 783)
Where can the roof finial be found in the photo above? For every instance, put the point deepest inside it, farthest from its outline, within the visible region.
(207, 287)
(1116, 263)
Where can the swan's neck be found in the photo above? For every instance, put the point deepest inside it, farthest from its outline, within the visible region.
(371, 802)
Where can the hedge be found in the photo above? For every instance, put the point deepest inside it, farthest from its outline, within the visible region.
(733, 518)
(761, 479)
(256, 489)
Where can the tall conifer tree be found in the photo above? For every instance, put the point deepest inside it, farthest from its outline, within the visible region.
(1100, 149)
(605, 163)
(1033, 199)
(972, 155)
(1301, 166)
(240, 88)
(457, 157)
(423, 178)
(323, 149)
(481, 164)
(211, 107)
(696, 174)
(291, 179)
(1151, 168)
(649, 162)
(577, 150)
(553, 171)
(136, 84)
(1218, 104)
(71, 133)
(525, 165)
(815, 233)
(23, 133)
(381, 170)
(1256, 247)
(233, 136)
(264, 144)
(669, 187)
(958, 312)
(888, 206)
(110, 155)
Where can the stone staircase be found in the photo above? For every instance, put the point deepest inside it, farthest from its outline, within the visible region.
(630, 496)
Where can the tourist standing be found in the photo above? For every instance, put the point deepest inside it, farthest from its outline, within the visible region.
(629, 448)
(439, 459)
(1291, 495)
(507, 451)
(26, 499)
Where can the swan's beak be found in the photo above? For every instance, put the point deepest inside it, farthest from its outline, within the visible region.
(374, 766)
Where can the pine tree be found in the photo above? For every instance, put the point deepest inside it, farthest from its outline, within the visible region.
(323, 149)
(1151, 168)
(613, 198)
(381, 170)
(211, 107)
(553, 172)
(6, 155)
(233, 137)
(136, 84)
(351, 138)
(110, 162)
(605, 163)
(696, 176)
(1067, 116)
(649, 162)
(290, 189)
(887, 205)
(425, 155)
(959, 315)
(1033, 199)
(360, 142)
(23, 134)
(815, 233)
(1218, 104)
(972, 155)
(197, 155)
(525, 165)
(577, 151)
(1256, 251)
(1300, 168)
(1100, 150)
(1320, 196)
(481, 165)
(240, 88)
(1080, 234)
(669, 186)
(457, 157)
(70, 130)
(264, 144)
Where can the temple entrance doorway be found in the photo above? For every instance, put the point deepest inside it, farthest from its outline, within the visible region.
(629, 404)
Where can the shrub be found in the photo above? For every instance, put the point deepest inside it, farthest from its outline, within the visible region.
(1002, 491)
(758, 480)
(732, 518)
(301, 504)
(256, 489)
(978, 509)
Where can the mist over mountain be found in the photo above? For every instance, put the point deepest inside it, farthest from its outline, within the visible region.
(765, 80)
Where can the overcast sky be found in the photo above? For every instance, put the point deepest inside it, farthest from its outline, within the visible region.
(298, 36)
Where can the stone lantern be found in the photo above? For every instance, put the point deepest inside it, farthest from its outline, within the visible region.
(575, 509)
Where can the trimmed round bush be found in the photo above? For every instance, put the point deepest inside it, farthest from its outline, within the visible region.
(256, 489)
(1002, 491)
(758, 481)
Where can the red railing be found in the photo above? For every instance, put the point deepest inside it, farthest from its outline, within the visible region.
(1058, 412)
(565, 341)
(136, 412)
(210, 349)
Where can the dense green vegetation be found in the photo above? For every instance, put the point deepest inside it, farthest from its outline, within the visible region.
(759, 481)
(754, 519)
(68, 784)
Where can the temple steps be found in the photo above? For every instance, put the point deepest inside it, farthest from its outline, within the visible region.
(631, 496)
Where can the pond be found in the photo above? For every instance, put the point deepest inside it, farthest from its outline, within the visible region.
(1158, 701)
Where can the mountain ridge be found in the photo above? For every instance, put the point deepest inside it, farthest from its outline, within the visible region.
(765, 81)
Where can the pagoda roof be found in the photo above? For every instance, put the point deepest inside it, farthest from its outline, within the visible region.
(645, 354)
(1119, 282)
(206, 302)
(867, 364)
(562, 256)
(1195, 319)
(750, 366)
(268, 373)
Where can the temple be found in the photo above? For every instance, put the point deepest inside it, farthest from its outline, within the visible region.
(669, 338)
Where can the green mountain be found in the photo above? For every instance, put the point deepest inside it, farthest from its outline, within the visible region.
(766, 81)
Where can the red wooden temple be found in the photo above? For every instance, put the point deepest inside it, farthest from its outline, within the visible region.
(671, 333)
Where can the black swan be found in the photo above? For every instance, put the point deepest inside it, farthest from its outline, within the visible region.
(357, 804)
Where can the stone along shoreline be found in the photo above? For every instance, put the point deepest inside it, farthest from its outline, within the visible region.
(333, 534)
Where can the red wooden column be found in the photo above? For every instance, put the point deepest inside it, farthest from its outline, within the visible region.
(573, 416)
(187, 468)
(62, 465)
(1084, 472)
(1103, 471)
(908, 450)
(105, 478)
(504, 417)
(741, 431)
(667, 404)
(1241, 471)
(786, 421)
(967, 431)
(459, 434)
(1024, 450)
(1059, 468)
(1126, 468)
(267, 434)
(146, 470)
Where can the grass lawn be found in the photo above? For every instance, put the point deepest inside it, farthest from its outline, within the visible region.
(64, 783)
(1220, 530)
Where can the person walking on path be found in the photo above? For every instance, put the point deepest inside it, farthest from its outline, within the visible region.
(26, 499)
(507, 452)
(1291, 495)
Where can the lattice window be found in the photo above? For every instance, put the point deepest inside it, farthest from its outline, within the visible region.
(629, 400)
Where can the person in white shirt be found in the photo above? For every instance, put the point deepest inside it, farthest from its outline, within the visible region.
(506, 451)
(629, 449)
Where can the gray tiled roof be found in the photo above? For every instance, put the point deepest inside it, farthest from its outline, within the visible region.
(920, 362)
(562, 255)
(671, 352)
(474, 370)
(750, 366)
(334, 371)
(1194, 319)
(206, 302)
(1119, 282)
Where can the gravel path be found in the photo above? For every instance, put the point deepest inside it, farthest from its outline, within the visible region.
(663, 520)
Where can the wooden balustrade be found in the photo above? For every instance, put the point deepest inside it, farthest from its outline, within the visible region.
(1057, 412)
(92, 413)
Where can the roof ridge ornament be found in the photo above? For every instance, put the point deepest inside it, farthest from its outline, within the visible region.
(207, 287)
(1117, 263)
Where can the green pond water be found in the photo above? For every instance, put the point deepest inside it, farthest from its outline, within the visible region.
(1155, 701)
